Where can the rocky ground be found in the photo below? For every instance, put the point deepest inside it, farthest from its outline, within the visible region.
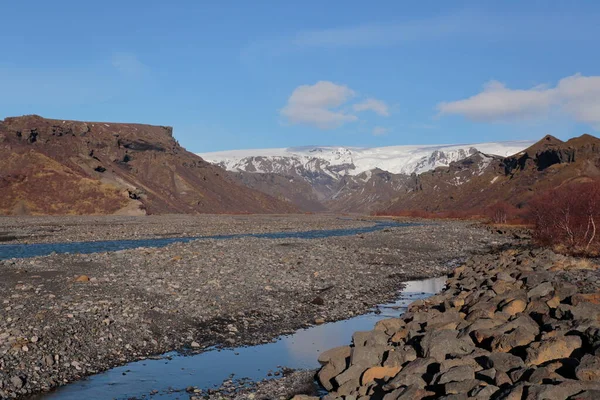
(66, 316)
(93, 228)
(293, 383)
(522, 324)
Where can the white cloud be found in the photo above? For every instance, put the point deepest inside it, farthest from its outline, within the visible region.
(321, 94)
(576, 96)
(473, 25)
(386, 34)
(580, 98)
(380, 131)
(381, 34)
(327, 105)
(496, 101)
(374, 105)
(129, 64)
(316, 105)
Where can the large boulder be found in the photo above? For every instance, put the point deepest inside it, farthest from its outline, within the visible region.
(553, 348)
(541, 290)
(589, 368)
(411, 392)
(334, 362)
(561, 391)
(505, 342)
(414, 373)
(379, 373)
(502, 361)
(455, 374)
(445, 343)
(368, 356)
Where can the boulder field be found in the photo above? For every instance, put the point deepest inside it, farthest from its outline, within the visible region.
(519, 324)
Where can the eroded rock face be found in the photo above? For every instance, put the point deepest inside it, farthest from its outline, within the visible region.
(516, 179)
(510, 326)
(94, 168)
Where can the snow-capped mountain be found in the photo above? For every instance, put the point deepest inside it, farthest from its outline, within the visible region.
(340, 161)
(347, 178)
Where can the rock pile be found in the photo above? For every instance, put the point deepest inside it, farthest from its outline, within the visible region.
(515, 325)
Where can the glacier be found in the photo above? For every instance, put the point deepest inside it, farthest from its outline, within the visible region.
(338, 161)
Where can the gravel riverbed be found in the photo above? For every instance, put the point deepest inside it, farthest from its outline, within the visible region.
(66, 316)
(49, 229)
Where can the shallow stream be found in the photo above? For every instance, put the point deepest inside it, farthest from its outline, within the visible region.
(168, 377)
(21, 250)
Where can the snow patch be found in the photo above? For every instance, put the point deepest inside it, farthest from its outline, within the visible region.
(368, 176)
(485, 162)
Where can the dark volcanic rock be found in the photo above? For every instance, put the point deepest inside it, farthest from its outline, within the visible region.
(491, 334)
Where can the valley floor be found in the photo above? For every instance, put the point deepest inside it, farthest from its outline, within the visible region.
(58, 229)
(66, 316)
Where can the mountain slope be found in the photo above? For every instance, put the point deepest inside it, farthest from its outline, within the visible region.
(481, 180)
(339, 161)
(286, 188)
(69, 167)
(368, 191)
(344, 179)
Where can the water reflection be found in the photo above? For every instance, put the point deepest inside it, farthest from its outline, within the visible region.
(209, 369)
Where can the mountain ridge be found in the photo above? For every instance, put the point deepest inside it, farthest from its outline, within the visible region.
(395, 159)
(468, 185)
(50, 166)
(339, 178)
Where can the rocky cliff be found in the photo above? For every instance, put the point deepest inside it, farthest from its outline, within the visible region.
(70, 167)
(481, 180)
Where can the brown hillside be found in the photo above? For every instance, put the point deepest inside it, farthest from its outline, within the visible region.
(70, 167)
(368, 191)
(287, 188)
(480, 181)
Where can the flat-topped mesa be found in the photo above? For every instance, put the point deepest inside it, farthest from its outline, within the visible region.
(35, 129)
(51, 166)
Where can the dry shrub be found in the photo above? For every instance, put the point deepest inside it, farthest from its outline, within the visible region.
(500, 212)
(503, 213)
(567, 218)
(572, 263)
(451, 214)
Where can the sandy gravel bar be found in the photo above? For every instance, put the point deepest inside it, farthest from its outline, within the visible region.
(93, 228)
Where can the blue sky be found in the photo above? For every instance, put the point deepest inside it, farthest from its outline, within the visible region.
(232, 75)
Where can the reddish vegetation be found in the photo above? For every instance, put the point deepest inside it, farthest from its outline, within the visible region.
(568, 217)
(499, 212)
(70, 167)
(504, 213)
(497, 188)
(451, 214)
